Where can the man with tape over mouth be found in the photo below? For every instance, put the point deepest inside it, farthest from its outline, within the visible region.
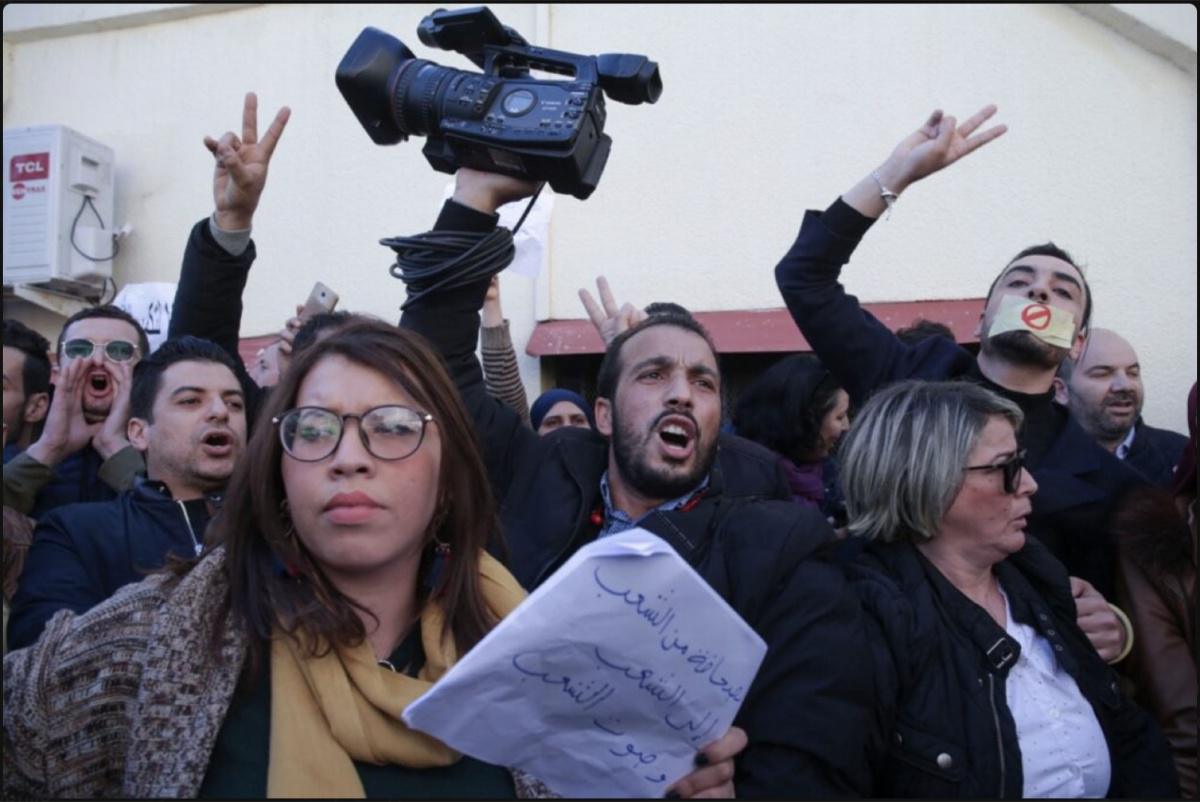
(1035, 316)
(82, 453)
(188, 420)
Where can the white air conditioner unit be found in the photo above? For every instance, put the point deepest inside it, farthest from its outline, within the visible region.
(58, 208)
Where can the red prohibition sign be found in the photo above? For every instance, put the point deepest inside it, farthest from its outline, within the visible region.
(1036, 316)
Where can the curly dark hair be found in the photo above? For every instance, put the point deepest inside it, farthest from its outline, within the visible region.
(784, 407)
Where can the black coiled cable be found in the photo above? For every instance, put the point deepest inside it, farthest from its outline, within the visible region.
(440, 260)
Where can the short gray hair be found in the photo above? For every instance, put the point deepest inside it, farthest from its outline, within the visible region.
(904, 459)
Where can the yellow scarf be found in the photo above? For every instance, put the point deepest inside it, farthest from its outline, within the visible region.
(327, 712)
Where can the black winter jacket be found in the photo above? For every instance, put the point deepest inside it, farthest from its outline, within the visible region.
(942, 662)
(208, 303)
(809, 710)
(1155, 453)
(1078, 481)
(82, 553)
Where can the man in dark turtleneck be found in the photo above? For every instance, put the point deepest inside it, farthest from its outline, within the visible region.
(1036, 315)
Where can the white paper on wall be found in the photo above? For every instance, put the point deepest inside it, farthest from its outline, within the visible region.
(149, 303)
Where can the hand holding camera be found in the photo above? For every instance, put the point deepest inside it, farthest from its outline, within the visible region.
(487, 192)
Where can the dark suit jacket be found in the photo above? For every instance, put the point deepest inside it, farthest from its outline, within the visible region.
(1155, 453)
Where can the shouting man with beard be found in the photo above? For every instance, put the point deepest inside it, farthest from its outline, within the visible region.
(1035, 316)
(82, 453)
(188, 420)
(658, 461)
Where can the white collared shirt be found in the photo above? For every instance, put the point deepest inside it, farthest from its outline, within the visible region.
(1126, 444)
(1063, 750)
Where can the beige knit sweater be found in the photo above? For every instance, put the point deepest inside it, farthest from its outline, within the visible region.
(126, 700)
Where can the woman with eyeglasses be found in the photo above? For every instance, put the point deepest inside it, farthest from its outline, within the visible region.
(344, 575)
(991, 688)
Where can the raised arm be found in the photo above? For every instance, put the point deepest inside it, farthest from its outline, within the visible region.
(449, 319)
(937, 144)
(500, 370)
(219, 253)
(216, 263)
(240, 175)
(860, 351)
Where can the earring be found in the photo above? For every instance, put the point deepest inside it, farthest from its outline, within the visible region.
(440, 562)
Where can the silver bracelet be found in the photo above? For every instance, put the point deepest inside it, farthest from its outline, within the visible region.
(889, 197)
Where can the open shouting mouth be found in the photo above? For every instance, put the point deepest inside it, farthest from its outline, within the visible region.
(677, 435)
(218, 443)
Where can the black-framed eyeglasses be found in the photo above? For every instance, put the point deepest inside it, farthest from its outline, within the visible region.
(390, 432)
(116, 350)
(1012, 470)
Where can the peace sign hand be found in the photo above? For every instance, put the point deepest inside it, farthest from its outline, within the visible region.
(939, 143)
(610, 320)
(241, 165)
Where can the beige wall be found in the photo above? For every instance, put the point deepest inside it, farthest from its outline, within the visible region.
(766, 111)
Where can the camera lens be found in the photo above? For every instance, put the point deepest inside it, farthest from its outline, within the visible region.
(363, 76)
(420, 96)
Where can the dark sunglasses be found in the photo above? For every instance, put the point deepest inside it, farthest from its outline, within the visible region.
(1012, 470)
(116, 350)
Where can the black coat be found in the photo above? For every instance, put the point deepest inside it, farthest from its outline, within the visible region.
(943, 662)
(76, 481)
(809, 710)
(1078, 481)
(208, 303)
(82, 553)
(1155, 453)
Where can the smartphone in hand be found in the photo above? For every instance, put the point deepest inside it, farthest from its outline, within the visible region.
(321, 299)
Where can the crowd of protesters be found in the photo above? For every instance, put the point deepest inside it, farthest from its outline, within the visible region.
(975, 573)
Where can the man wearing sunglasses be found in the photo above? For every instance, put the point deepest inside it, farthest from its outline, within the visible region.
(187, 417)
(1036, 315)
(83, 453)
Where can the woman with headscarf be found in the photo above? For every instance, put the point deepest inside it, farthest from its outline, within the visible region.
(556, 408)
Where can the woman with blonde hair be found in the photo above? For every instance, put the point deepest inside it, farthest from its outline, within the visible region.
(990, 688)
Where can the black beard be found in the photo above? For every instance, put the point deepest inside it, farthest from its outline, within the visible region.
(1098, 424)
(1100, 429)
(644, 479)
(1023, 348)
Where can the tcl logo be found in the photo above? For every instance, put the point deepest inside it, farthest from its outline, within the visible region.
(30, 167)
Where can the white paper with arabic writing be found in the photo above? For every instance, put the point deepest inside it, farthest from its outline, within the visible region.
(606, 680)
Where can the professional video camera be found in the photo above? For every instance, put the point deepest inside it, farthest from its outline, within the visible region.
(503, 121)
